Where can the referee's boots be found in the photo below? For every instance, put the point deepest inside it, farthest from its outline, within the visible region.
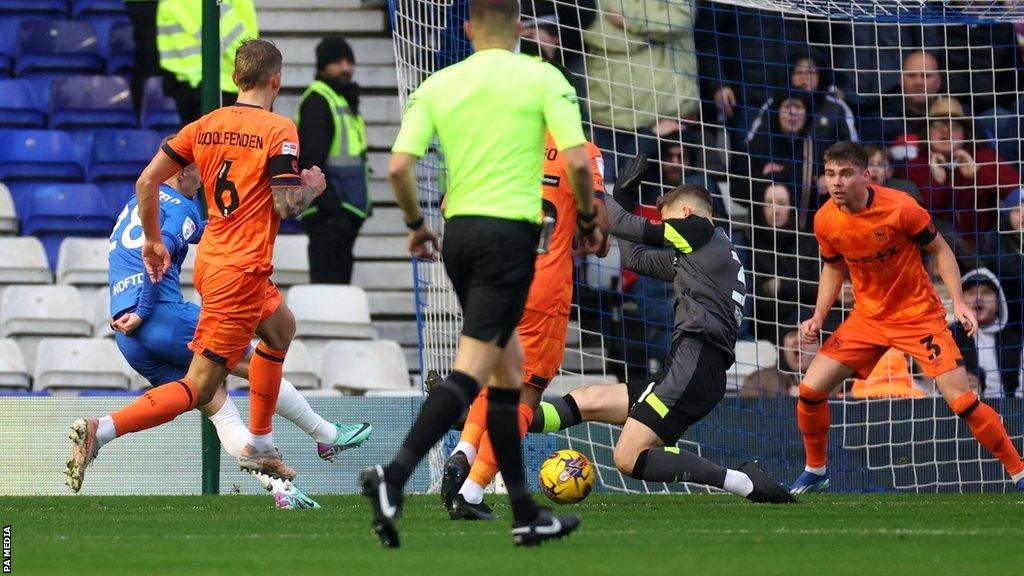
(545, 527)
(386, 502)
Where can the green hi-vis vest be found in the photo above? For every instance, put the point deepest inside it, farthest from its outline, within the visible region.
(347, 168)
(179, 29)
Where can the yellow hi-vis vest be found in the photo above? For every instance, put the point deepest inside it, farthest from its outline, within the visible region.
(179, 29)
(346, 160)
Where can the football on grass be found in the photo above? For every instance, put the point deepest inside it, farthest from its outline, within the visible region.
(567, 476)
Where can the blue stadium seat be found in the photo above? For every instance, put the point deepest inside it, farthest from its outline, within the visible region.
(103, 25)
(121, 50)
(120, 155)
(57, 46)
(116, 194)
(88, 8)
(48, 8)
(28, 157)
(159, 112)
(91, 101)
(8, 43)
(55, 211)
(19, 105)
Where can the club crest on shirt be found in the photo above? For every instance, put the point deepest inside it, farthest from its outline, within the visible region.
(880, 235)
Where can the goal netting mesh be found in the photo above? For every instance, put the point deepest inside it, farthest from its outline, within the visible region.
(743, 97)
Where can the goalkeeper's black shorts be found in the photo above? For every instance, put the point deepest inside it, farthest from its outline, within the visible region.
(490, 263)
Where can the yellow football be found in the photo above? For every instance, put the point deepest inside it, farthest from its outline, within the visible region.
(567, 476)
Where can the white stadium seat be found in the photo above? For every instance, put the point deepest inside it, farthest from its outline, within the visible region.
(83, 261)
(562, 384)
(382, 248)
(23, 261)
(330, 311)
(188, 267)
(383, 275)
(299, 368)
(43, 310)
(101, 315)
(8, 218)
(750, 355)
(13, 373)
(363, 366)
(384, 222)
(291, 260)
(79, 363)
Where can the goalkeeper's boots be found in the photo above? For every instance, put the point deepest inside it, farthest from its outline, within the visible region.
(286, 495)
(810, 482)
(766, 489)
(456, 470)
(83, 451)
(463, 510)
(386, 502)
(545, 527)
(349, 436)
(267, 462)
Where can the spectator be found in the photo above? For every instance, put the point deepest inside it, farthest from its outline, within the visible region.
(907, 104)
(540, 38)
(993, 355)
(179, 40)
(961, 180)
(880, 172)
(795, 357)
(146, 61)
(785, 269)
(641, 75)
(332, 134)
(1003, 253)
(564, 22)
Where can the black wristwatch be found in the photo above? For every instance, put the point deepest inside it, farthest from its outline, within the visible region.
(415, 224)
(585, 222)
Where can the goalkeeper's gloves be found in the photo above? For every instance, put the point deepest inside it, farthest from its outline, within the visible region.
(627, 187)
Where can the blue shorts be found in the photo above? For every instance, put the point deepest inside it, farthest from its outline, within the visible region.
(159, 348)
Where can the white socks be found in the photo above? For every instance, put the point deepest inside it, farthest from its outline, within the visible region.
(468, 449)
(232, 432)
(819, 470)
(293, 405)
(105, 431)
(262, 442)
(737, 483)
(474, 493)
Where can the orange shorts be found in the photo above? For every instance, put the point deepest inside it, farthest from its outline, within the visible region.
(543, 339)
(861, 342)
(234, 304)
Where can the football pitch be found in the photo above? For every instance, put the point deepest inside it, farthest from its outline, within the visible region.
(625, 535)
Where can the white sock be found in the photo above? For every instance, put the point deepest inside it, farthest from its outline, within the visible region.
(105, 431)
(231, 430)
(472, 492)
(466, 448)
(819, 470)
(1018, 477)
(262, 442)
(291, 404)
(738, 483)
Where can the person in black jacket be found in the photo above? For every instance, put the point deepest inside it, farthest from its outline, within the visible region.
(332, 134)
(993, 355)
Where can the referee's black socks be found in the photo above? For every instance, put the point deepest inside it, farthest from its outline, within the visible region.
(503, 428)
(440, 410)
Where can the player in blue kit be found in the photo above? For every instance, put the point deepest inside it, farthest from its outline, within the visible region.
(153, 325)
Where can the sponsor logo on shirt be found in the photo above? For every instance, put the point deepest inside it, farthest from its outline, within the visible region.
(290, 149)
(126, 283)
(552, 181)
(188, 228)
(880, 235)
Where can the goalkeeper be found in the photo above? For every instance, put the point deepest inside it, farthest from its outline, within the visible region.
(709, 290)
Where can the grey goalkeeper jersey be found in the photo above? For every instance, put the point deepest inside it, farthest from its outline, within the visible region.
(700, 261)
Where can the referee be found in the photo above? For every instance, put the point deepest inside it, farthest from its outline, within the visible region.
(490, 114)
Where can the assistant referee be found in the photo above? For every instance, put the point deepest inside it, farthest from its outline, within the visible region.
(490, 113)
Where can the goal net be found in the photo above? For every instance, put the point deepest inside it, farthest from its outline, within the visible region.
(743, 97)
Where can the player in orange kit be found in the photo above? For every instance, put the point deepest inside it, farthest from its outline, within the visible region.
(248, 162)
(876, 233)
(542, 331)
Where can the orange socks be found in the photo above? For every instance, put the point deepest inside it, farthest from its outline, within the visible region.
(264, 385)
(986, 426)
(812, 417)
(476, 420)
(158, 406)
(485, 467)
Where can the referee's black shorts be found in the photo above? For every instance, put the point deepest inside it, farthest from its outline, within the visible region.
(683, 393)
(490, 263)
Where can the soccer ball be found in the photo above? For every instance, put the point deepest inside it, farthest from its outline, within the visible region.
(567, 476)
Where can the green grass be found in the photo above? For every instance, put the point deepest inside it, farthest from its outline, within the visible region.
(824, 535)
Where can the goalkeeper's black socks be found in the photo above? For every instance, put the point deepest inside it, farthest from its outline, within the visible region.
(675, 465)
(442, 407)
(555, 415)
(503, 428)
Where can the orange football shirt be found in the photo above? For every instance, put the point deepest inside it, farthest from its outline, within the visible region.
(241, 152)
(551, 290)
(881, 246)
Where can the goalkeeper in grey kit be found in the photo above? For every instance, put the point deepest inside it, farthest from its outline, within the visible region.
(708, 278)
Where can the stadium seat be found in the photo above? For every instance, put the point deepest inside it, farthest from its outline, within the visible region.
(55, 211)
(119, 155)
(361, 366)
(385, 221)
(188, 268)
(48, 8)
(57, 46)
(83, 261)
(330, 311)
(750, 355)
(383, 275)
(19, 105)
(43, 310)
(116, 195)
(28, 157)
(562, 384)
(13, 373)
(91, 102)
(291, 260)
(87, 8)
(299, 368)
(8, 217)
(101, 315)
(121, 48)
(382, 248)
(23, 261)
(80, 363)
(159, 112)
